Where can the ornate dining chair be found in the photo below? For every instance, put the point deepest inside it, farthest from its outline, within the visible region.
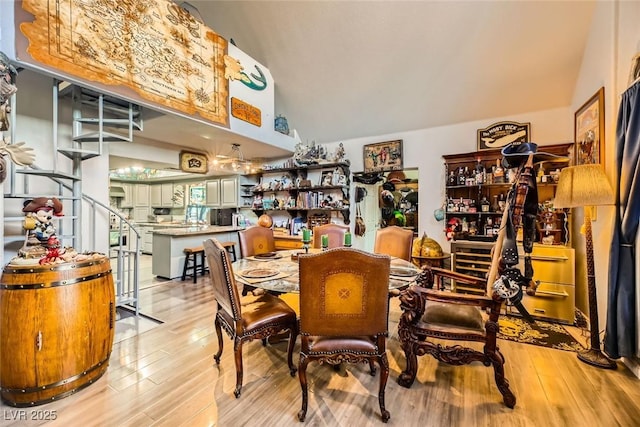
(256, 240)
(394, 241)
(447, 316)
(335, 232)
(248, 318)
(344, 313)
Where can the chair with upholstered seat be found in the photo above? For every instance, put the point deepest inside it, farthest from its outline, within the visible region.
(344, 313)
(248, 318)
(335, 232)
(256, 240)
(394, 241)
(429, 314)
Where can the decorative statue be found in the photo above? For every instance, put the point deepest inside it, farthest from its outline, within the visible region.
(19, 153)
(40, 230)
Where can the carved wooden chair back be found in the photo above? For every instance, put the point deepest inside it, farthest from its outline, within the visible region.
(335, 232)
(248, 318)
(394, 241)
(344, 311)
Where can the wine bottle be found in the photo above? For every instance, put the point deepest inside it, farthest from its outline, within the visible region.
(498, 174)
(479, 173)
(484, 204)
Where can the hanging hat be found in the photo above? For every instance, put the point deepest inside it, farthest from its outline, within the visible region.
(367, 178)
(396, 177)
(515, 153)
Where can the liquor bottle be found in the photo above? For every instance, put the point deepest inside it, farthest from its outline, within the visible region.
(465, 225)
(450, 205)
(494, 206)
(479, 173)
(473, 208)
(502, 202)
(484, 204)
(461, 176)
(498, 174)
(453, 179)
(488, 227)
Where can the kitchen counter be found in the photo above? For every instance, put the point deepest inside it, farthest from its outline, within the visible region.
(195, 230)
(169, 244)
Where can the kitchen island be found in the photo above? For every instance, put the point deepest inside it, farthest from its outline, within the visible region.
(168, 246)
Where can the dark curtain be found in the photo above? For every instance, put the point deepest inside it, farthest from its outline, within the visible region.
(621, 330)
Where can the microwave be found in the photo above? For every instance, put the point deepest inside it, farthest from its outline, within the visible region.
(221, 216)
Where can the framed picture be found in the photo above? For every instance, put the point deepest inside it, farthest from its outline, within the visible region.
(340, 179)
(326, 179)
(383, 156)
(193, 162)
(589, 130)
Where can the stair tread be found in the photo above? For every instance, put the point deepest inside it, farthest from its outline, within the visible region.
(50, 173)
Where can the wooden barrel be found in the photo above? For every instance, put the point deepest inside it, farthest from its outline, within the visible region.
(56, 329)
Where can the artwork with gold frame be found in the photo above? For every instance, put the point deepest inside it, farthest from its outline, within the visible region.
(383, 156)
(589, 131)
(192, 162)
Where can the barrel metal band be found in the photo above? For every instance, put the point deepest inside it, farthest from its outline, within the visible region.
(56, 384)
(53, 284)
(58, 267)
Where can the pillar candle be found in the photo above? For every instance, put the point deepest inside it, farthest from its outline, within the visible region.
(325, 240)
(306, 234)
(347, 239)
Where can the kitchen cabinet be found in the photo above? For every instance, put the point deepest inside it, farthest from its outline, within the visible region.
(229, 192)
(127, 200)
(141, 198)
(222, 192)
(213, 193)
(162, 195)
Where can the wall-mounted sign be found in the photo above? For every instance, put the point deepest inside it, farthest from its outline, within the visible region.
(246, 112)
(383, 156)
(501, 134)
(193, 162)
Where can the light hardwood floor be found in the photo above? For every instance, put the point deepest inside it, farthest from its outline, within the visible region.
(166, 376)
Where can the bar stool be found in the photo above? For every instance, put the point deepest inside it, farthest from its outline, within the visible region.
(191, 265)
(231, 248)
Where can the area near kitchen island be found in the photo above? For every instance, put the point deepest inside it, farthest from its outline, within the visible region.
(169, 244)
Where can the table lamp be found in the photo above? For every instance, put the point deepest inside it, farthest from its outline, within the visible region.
(587, 186)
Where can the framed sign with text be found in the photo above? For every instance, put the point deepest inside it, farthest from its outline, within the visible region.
(501, 134)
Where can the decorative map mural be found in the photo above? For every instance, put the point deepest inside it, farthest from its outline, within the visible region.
(153, 47)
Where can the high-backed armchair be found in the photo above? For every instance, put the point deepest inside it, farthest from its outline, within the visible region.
(394, 241)
(344, 311)
(247, 319)
(446, 316)
(335, 232)
(256, 240)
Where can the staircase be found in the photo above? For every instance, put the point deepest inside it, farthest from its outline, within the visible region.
(96, 120)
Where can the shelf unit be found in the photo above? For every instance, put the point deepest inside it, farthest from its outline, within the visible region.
(294, 194)
(464, 198)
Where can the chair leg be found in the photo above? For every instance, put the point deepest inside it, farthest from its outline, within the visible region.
(384, 375)
(508, 397)
(408, 376)
(372, 367)
(293, 334)
(302, 374)
(216, 357)
(237, 350)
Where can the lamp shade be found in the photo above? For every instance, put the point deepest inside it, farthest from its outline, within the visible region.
(583, 185)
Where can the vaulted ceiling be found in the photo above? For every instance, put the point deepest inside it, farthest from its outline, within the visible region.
(351, 69)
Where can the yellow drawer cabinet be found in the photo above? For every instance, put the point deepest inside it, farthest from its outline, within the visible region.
(554, 269)
(286, 242)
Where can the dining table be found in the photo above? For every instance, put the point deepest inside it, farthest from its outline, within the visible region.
(278, 271)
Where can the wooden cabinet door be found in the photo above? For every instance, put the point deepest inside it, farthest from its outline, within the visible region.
(155, 195)
(127, 200)
(229, 192)
(142, 195)
(213, 193)
(166, 195)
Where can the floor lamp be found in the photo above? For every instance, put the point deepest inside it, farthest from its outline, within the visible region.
(587, 186)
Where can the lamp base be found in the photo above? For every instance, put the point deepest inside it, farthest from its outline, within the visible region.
(597, 358)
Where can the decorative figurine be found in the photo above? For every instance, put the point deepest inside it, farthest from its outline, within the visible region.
(40, 212)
